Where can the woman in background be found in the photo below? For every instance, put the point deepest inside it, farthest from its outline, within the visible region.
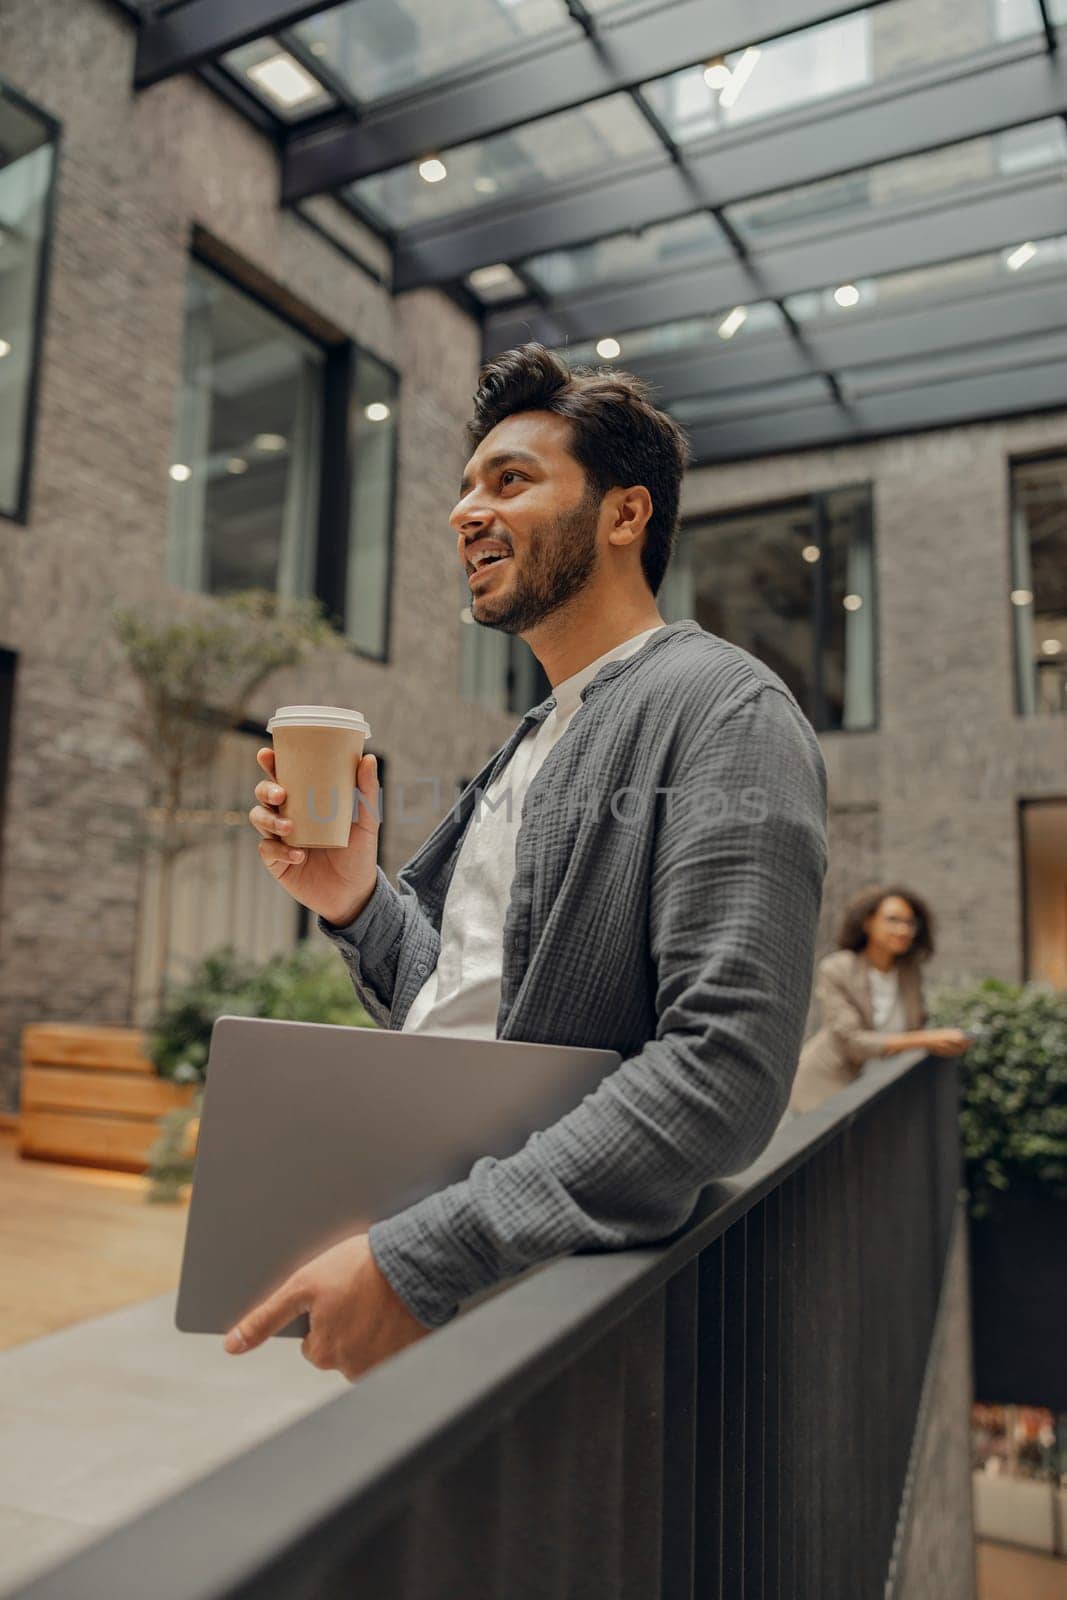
(870, 995)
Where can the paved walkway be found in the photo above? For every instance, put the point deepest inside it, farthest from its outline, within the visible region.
(106, 1417)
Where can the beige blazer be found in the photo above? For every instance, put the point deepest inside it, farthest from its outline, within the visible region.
(833, 1057)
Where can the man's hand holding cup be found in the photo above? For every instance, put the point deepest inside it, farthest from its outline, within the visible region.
(301, 826)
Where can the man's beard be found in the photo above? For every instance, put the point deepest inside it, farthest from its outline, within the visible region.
(557, 564)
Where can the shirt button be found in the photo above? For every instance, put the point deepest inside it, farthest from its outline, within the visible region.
(421, 968)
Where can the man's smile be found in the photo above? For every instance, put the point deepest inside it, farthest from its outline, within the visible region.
(479, 573)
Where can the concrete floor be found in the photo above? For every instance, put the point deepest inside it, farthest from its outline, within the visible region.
(104, 1406)
(1008, 1573)
(110, 1415)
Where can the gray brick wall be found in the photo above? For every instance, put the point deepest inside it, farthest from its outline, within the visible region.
(939, 782)
(136, 174)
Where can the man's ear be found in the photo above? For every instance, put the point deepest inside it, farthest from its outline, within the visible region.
(632, 513)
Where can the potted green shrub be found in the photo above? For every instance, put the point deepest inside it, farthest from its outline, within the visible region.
(307, 984)
(1013, 1125)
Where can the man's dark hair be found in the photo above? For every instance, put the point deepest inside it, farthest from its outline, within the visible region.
(618, 436)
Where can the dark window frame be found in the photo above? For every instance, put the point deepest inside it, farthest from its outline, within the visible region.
(815, 501)
(21, 511)
(1025, 458)
(341, 353)
(1023, 804)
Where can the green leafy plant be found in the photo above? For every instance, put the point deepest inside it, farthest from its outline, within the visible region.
(307, 984)
(1013, 1110)
(196, 673)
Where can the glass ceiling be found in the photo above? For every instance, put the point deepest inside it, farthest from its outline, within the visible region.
(831, 58)
(685, 242)
(1041, 259)
(665, 338)
(379, 47)
(534, 156)
(628, 215)
(866, 48)
(951, 170)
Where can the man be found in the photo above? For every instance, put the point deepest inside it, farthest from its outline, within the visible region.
(639, 868)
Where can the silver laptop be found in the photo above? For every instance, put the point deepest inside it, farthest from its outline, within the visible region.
(310, 1131)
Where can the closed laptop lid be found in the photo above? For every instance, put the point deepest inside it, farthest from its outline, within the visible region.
(310, 1132)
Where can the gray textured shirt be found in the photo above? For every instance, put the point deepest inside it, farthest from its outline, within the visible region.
(668, 879)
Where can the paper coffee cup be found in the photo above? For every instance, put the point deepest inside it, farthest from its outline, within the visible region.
(316, 752)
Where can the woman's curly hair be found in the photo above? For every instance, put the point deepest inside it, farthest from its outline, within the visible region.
(864, 904)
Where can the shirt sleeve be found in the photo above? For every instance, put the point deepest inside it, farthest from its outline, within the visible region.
(391, 935)
(738, 860)
(843, 1020)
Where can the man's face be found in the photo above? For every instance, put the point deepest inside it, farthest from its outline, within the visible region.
(524, 493)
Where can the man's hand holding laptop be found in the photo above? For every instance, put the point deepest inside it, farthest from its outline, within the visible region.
(356, 1318)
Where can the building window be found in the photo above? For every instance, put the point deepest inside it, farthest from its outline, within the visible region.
(373, 440)
(248, 447)
(284, 462)
(1044, 845)
(793, 584)
(1039, 583)
(27, 177)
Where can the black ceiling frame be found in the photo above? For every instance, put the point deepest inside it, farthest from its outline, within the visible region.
(196, 32)
(926, 234)
(880, 338)
(608, 56)
(1006, 78)
(998, 393)
(1014, 85)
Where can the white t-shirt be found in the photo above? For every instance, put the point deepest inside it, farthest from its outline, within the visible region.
(462, 994)
(886, 1004)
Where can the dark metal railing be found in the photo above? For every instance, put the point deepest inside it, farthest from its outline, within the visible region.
(729, 1414)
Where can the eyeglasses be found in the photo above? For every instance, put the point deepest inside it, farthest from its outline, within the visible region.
(903, 922)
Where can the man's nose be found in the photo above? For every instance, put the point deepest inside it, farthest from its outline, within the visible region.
(470, 518)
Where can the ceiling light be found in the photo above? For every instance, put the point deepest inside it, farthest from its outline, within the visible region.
(284, 80)
(5, 348)
(269, 442)
(740, 76)
(852, 602)
(1020, 256)
(729, 325)
(717, 74)
(486, 185)
(608, 349)
(376, 411)
(846, 294)
(237, 465)
(1021, 597)
(810, 552)
(432, 171)
(1051, 647)
(180, 472)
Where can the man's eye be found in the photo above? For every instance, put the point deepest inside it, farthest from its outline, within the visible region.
(504, 476)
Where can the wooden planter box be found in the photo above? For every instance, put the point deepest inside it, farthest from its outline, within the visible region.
(91, 1096)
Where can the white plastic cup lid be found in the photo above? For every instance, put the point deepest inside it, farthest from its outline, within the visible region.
(319, 717)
